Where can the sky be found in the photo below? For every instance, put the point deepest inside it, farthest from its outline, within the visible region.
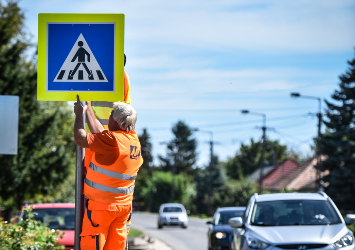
(204, 61)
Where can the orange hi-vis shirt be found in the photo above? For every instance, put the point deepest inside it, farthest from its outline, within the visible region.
(111, 175)
(102, 112)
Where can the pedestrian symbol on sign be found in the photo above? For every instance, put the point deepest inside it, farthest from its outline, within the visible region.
(75, 64)
(80, 54)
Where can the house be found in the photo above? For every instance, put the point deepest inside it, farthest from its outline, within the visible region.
(290, 175)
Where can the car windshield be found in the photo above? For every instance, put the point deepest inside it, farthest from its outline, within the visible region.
(294, 212)
(222, 217)
(55, 218)
(172, 209)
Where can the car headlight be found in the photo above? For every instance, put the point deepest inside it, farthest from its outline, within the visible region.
(255, 243)
(182, 217)
(346, 240)
(220, 235)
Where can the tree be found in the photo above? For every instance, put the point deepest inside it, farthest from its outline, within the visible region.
(209, 181)
(181, 150)
(248, 158)
(235, 193)
(145, 171)
(46, 150)
(160, 186)
(338, 144)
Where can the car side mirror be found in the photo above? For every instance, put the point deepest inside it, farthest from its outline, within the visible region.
(188, 212)
(236, 222)
(350, 219)
(209, 222)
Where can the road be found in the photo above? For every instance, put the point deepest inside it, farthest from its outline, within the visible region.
(192, 238)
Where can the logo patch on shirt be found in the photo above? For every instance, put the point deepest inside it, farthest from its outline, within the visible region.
(135, 152)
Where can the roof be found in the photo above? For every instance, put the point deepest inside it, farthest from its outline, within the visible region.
(279, 172)
(231, 208)
(52, 205)
(256, 174)
(291, 196)
(296, 178)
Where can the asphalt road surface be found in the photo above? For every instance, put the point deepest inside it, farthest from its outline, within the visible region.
(192, 238)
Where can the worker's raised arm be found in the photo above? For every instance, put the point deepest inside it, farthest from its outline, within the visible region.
(94, 124)
(79, 131)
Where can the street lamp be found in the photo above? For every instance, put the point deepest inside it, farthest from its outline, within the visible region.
(246, 111)
(319, 115)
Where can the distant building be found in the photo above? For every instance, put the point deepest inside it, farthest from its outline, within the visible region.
(289, 175)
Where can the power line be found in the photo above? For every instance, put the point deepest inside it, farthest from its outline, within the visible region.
(223, 110)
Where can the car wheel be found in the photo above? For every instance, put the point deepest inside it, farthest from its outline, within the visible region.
(209, 246)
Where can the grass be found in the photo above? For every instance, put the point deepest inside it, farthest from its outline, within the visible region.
(134, 233)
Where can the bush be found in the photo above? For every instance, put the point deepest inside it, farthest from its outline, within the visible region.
(235, 193)
(27, 234)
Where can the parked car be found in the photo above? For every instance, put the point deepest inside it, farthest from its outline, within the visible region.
(172, 214)
(56, 216)
(291, 221)
(220, 234)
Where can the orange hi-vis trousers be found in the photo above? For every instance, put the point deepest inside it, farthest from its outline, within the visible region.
(104, 226)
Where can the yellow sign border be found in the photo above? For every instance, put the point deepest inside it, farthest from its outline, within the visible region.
(43, 94)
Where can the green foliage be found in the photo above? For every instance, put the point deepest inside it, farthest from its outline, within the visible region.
(160, 185)
(351, 228)
(338, 144)
(248, 158)
(134, 233)
(27, 234)
(145, 170)
(46, 150)
(181, 151)
(235, 193)
(209, 181)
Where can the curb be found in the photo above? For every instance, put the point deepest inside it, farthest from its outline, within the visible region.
(147, 243)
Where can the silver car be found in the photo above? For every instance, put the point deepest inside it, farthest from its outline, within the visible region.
(286, 221)
(172, 214)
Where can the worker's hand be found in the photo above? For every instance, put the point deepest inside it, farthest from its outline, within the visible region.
(78, 108)
(88, 103)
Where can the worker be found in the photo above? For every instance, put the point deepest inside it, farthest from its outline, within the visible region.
(110, 178)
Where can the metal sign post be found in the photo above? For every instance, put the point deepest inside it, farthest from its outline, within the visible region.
(79, 196)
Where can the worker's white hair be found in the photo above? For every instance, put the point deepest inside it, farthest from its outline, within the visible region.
(125, 115)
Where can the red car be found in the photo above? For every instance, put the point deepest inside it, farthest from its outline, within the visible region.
(57, 216)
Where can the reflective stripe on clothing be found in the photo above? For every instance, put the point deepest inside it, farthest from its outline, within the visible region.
(112, 174)
(103, 121)
(109, 189)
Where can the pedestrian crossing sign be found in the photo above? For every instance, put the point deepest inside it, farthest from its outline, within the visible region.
(80, 54)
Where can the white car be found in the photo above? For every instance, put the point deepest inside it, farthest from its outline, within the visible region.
(172, 214)
(285, 221)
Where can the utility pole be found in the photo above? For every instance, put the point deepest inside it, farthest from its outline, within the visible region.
(261, 177)
(173, 178)
(173, 168)
(209, 209)
(262, 161)
(209, 205)
(318, 144)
